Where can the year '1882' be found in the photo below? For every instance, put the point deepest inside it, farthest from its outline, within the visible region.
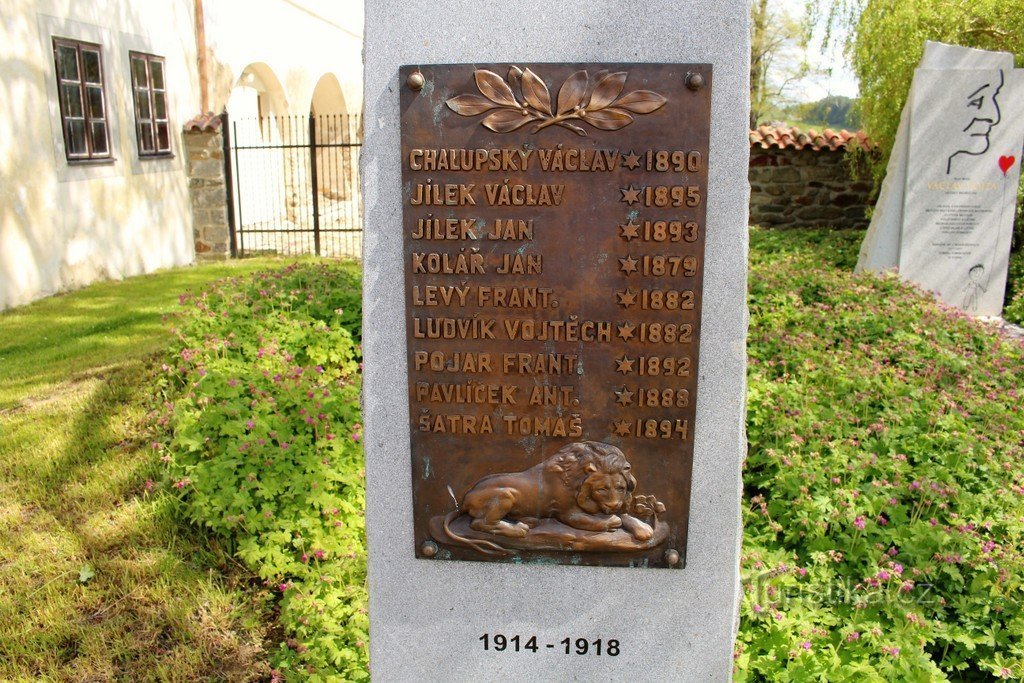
(569, 646)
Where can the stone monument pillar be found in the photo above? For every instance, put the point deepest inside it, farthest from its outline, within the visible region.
(554, 338)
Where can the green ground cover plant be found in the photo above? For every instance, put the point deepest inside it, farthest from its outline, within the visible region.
(98, 578)
(883, 492)
(264, 448)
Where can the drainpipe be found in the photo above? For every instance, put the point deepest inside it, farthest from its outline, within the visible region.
(204, 78)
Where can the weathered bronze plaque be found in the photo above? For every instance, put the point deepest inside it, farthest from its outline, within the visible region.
(553, 228)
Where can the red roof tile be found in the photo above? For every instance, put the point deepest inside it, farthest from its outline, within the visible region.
(204, 123)
(784, 137)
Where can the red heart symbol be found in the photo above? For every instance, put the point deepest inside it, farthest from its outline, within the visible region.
(1005, 163)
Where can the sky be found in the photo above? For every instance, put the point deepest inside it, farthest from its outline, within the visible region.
(841, 81)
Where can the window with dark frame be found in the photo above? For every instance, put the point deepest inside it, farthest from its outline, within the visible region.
(83, 102)
(149, 90)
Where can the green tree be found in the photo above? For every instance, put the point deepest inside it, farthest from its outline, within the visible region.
(886, 40)
(776, 58)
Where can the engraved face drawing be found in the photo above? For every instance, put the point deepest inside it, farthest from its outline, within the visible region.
(977, 113)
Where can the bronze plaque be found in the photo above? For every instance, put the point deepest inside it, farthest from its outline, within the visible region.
(553, 231)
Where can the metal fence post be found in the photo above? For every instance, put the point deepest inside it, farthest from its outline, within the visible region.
(229, 189)
(314, 182)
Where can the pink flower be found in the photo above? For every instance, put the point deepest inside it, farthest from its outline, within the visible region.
(149, 485)
(757, 608)
(806, 645)
(860, 522)
(854, 635)
(232, 382)
(891, 651)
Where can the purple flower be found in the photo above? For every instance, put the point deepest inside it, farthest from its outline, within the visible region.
(860, 522)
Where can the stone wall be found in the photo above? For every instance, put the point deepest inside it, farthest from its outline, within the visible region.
(207, 187)
(802, 188)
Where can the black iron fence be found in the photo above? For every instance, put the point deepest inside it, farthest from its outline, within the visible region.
(295, 185)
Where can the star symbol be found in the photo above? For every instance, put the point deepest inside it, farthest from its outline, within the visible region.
(629, 231)
(624, 397)
(624, 365)
(622, 427)
(626, 331)
(630, 195)
(631, 161)
(627, 297)
(627, 265)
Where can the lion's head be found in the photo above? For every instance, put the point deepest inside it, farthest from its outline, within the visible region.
(599, 474)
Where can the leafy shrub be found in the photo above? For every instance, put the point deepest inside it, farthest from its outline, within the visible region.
(263, 444)
(884, 497)
(1014, 311)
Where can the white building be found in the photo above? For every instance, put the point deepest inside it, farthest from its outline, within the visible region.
(94, 96)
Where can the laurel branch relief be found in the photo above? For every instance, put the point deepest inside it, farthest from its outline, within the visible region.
(598, 102)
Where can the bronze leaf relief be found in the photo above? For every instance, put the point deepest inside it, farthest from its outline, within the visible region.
(598, 102)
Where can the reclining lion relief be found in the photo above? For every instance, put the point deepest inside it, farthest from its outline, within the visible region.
(579, 499)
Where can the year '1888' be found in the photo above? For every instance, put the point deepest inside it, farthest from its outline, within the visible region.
(569, 646)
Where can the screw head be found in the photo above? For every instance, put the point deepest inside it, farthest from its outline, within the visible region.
(672, 557)
(416, 80)
(428, 549)
(694, 81)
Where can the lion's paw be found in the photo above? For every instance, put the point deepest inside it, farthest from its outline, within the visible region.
(613, 522)
(642, 532)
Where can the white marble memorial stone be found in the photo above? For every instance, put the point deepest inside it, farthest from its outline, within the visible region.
(962, 171)
(881, 246)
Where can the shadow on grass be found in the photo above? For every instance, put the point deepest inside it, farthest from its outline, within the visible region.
(154, 606)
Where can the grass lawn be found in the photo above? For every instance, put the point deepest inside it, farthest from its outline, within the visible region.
(97, 578)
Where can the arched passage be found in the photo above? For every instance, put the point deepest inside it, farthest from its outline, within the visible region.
(262, 170)
(337, 160)
(327, 96)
